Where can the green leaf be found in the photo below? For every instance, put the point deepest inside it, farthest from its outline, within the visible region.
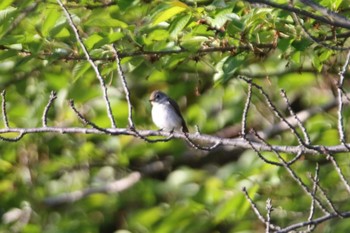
(12, 39)
(109, 23)
(5, 3)
(150, 216)
(60, 28)
(167, 14)
(179, 24)
(296, 57)
(50, 21)
(284, 43)
(92, 40)
(158, 35)
(222, 16)
(234, 27)
(193, 43)
(227, 67)
(6, 13)
(59, 31)
(124, 4)
(325, 55)
(109, 39)
(80, 69)
(256, 17)
(301, 45)
(317, 63)
(202, 30)
(101, 19)
(7, 54)
(333, 4)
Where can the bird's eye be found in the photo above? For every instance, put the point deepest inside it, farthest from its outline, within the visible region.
(157, 96)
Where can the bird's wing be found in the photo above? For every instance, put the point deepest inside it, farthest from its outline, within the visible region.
(177, 110)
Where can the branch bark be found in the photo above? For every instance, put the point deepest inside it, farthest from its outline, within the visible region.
(344, 23)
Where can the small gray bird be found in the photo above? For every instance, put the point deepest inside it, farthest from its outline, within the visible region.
(166, 113)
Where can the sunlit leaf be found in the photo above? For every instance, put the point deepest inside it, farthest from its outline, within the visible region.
(284, 44)
(5, 3)
(80, 69)
(325, 55)
(179, 4)
(227, 67)
(101, 19)
(49, 22)
(92, 40)
(222, 16)
(179, 24)
(168, 13)
(317, 63)
(193, 43)
(4, 14)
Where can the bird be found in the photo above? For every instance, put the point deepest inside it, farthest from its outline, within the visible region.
(166, 113)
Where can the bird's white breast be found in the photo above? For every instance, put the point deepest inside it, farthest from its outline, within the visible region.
(165, 117)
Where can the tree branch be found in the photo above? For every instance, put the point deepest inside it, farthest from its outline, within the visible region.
(330, 21)
(313, 222)
(205, 138)
(112, 187)
(256, 211)
(327, 12)
(53, 96)
(341, 129)
(93, 65)
(4, 110)
(125, 87)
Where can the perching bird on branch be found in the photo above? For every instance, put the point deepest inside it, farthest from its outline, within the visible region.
(166, 113)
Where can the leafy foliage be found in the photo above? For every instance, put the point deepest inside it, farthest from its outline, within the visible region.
(194, 51)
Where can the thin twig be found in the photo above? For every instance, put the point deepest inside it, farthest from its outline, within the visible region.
(335, 17)
(257, 151)
(345, 94)
(302, 115)
(198, 147)
(93, 65)
(297, 178)
(268, 215)
(147, 53)
(128, 100)
(314, 39)
(303, 185)
(15, 139)
(316, 221)
(203, 138)
(86, 121)
(246, 109)
(4, 111)
(306, 13)
(290, 162)
(328, 200)
(125, 86)
(292, 113)
(340, 173)
(53, 96)
(314, 190)
(256, 210)
(341, 130)
(275, 110)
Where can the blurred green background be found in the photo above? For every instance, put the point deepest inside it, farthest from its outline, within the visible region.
(196, 191)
